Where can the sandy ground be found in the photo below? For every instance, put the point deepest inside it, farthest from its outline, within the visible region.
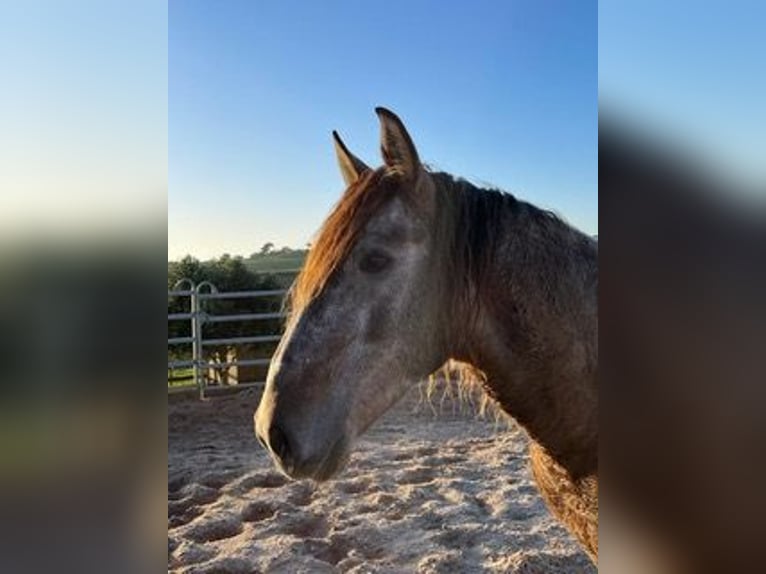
(428, 489)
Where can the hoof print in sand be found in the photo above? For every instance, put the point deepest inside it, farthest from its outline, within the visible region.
(300, 494)
(419, 475)
(354, 486)
(180, 516)
(305, 526)
(216, 529)
(227, 565)
(187, 553)
(219, 480)
(331, 551)
(545, 562)
(199, 495)
(258, 511)
(458, 539)
(176, 484)
(267, 480)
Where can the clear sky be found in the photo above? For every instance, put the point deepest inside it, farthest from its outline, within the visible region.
(83, 116)
(230, 103)
(693, 71)
(502, 93)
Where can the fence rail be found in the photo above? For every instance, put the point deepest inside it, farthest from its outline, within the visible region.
(199, 317)
(243, 317)
(240, 294)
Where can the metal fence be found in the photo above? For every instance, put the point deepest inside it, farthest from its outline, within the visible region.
(198, 317)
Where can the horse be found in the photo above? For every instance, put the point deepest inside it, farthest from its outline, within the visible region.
(415, 267)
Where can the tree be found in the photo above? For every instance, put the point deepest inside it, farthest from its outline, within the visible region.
(267, 248)
(186, 268)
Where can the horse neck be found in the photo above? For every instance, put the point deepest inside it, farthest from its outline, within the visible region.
(533, 332)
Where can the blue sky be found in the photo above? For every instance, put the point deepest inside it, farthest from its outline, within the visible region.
(230, 104)
(83, 117)
(503, 93)
(692, 72)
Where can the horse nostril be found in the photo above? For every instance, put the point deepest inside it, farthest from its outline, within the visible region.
(279, 444)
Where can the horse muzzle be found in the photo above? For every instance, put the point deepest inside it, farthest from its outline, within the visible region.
(299, 457)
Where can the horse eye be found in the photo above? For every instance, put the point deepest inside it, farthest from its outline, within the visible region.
(374, 262)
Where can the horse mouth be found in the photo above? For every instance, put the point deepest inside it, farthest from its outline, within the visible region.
(332, 465)
(321, 468)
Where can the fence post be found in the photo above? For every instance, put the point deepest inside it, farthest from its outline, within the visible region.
(198, 319)
(197, 342)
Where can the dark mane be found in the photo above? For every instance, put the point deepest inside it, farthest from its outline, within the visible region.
(473, 230)
(478, 230)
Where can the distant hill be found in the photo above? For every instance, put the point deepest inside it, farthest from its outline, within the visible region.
(285, 259)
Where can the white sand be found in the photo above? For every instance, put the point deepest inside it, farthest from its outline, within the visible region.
(422, 493)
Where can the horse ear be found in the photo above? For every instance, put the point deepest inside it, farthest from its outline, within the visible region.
(351, 167)
(398, 150)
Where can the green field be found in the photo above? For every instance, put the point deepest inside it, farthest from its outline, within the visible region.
(261, 263)
(180, 377)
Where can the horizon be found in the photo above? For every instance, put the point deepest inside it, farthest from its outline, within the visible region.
(254, 253)
(276, 251)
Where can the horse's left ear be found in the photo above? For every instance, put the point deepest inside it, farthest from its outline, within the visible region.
(351, 167)
(398, 150)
